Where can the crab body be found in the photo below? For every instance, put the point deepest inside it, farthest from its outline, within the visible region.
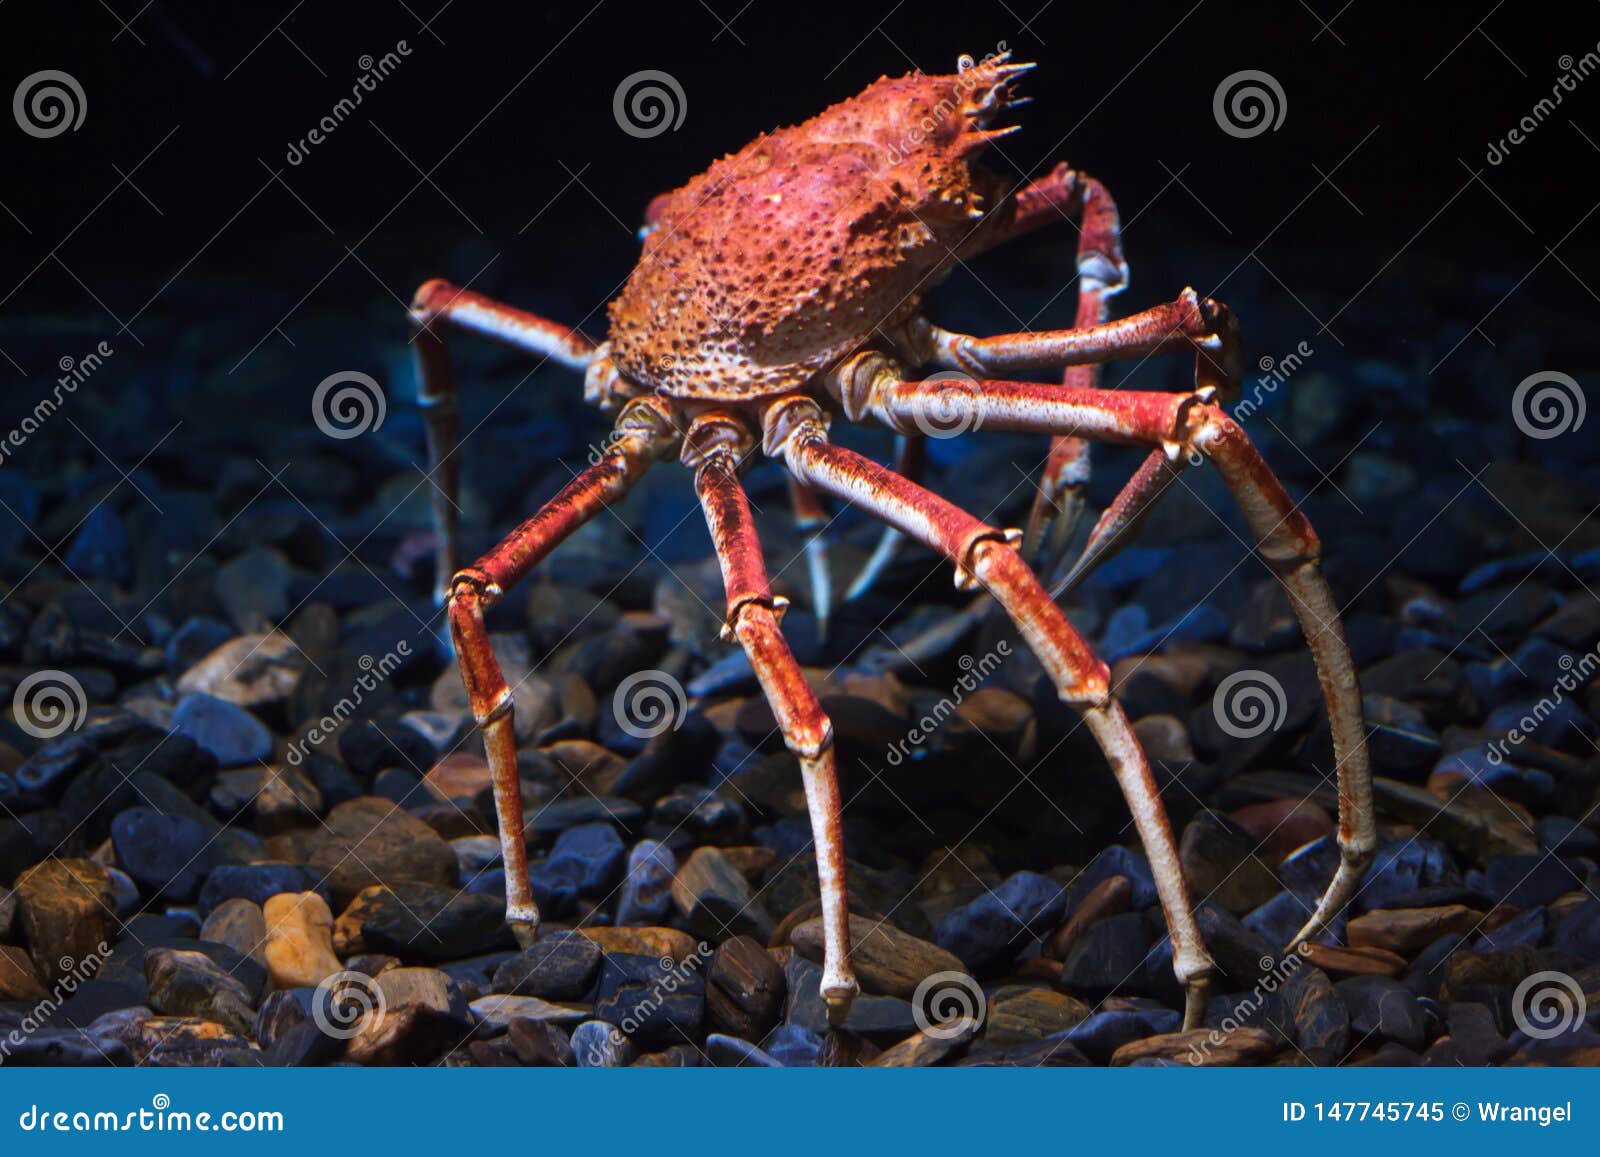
(784, 257)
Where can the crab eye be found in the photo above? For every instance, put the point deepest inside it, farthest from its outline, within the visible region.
(964, 62)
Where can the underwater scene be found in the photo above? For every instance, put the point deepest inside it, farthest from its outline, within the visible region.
(562, 536)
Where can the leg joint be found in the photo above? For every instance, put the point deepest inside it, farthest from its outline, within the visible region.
(1358, 847)
(498, 708)
(1283, 534)
(789, 426)
(1091, 692)
(810, 742)
(807, 731)
(860, 383)
(738, 604)
(432, 300)
(717, 440)
(487, 693)
(974, 558)
(476, 583)
(1081, 679)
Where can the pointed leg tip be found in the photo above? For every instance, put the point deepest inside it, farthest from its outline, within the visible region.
(1067, 583)
(1303, 939)
(1196, 992)
(526, 932)
(839, 997)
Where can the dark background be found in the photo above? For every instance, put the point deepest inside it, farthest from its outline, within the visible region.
(507, 109)
(1369, 224)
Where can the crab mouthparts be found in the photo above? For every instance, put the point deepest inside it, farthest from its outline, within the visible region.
(989, 88)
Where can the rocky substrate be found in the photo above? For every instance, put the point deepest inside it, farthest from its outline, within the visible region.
(267, 837)
(191, 879)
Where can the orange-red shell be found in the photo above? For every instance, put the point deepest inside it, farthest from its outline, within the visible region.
(784, 257)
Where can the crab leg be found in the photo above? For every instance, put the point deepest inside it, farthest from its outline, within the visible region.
(714, 445)
(1102, 274)
(1062, 193)
(1116, 527)
(1189, 424)
(438, 307)
(910, 459)
(812, 521)
(1057, 196)
(644, 431)
(985, 558)
(1188, 322)
(1207, 326)
(1058, 502)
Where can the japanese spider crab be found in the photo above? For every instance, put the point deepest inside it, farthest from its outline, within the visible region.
(782, 288)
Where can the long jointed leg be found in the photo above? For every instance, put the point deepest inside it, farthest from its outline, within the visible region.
(1058, 503)
(1206, 326)
(714, 445)
(984, 557)
(1189, 322)
(910, 460)
(1102, 274)
(811, 520)
(1190, 424)
(1117, 525)
(437, 308)
(1059, 196)
(644, 432)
